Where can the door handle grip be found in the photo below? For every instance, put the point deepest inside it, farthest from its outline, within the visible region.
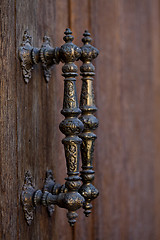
(88, 108)
(71, 126)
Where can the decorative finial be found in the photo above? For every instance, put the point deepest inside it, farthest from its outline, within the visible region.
(86, 38)
(68, 38)
(88, 51)
(69, 52)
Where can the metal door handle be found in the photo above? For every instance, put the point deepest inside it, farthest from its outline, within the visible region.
(87, 106)
(78, 131)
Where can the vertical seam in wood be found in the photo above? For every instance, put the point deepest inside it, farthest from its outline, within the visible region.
(15, 18)
(0, 141)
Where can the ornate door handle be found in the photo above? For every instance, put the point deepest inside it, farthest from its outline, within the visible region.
(78, 131)
(87, 106)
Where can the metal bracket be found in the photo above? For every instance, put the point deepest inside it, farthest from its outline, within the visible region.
(26, 198)
(49, 56)
(48, 186)
(31, 197)
(29, 56)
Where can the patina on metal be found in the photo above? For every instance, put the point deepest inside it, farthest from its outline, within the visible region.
(28, 191)
(71, 126)
(28, 56)
(49, 56)
(88, 108)
(31, 198)
(78, 132)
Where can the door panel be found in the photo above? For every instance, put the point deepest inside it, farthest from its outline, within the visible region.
(125, 101)
(127, 89)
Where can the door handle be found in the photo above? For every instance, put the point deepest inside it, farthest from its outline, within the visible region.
(88, 108)
(79, 136)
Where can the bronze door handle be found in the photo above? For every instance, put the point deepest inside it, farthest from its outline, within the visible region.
(79, 136)
(88, 108)
(71, 126)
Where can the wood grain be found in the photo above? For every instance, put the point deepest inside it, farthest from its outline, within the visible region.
(155, 13)
(36, 116)
(125, 151)
(8, 124)
(127, 88)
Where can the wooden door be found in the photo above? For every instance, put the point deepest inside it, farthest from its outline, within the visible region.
(127, 84)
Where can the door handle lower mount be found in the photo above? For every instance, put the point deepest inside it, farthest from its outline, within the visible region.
(78, 130)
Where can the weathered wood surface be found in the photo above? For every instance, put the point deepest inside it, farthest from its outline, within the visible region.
(8, 123)
(127, 159)
(125, 95)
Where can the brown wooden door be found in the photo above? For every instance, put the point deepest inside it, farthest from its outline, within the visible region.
(127, 83)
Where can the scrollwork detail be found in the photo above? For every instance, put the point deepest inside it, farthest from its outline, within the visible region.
(26, 198)
(69, 96)
(71, 156)
(71, 126)
(87, 106)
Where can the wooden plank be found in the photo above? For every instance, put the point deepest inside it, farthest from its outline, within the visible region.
(8, 139)
(127, 94)
(36, 108)
(155, 14)
(125, 146)
(30, 100)
(39, 105)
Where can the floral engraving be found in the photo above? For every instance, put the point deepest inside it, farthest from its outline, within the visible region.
(87, 106)
(71, 157)
(69, 95)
